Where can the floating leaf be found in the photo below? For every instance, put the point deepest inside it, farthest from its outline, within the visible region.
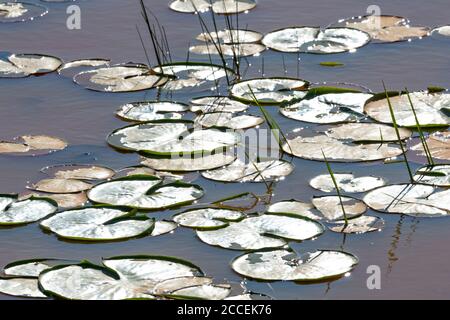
(346, 183)
(361, 224)
(120, 278)
(24, 65)
(144, 192)
(168, 286)
(328, 108)
(238, 50)
(261, 171)
(13, 212)
(439, 145)
(21, 287)
(411, 199)
(171, 138)
(429, 108)
(217, 104)
(120, 78)
(190, 6)
(207, 218)
(295, 207)
(315, 40)
(286, 265)
(68, 68)
(97, 224)
(188, 163)
(435, 175)
(265, 231)
(443, 31)
(231, 36)
(269, 90)
(163, 227)
(64, 200)
(232, 6)
(331, 208)
(20, 11)
(228, 120)
(387, 28)
(367, 132)
(32, 145)
(203, 292)
(151, 110)
(57, 185)
(338, 150)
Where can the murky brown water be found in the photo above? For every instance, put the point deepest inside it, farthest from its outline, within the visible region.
(412, 253)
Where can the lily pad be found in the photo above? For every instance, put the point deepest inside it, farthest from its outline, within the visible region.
(265, 231)
(186, 164)
(168, 286)
(367, 132)
(163, 227)
(386, 28)
(151, 110)
(335, 150)
(24, 65)
(228, 36)
(443, 31)
(144, 192)
(269, 90)
(32, 145)
(168, 137)
(346, 182)
(207, 218)
(20, 11)
(69, 69)
(411, 199)
(80, 172)
(239, 171)
(21, 287)
(295, 207)
(232, 50)
(315, 40)
(119, 278)
(64, 200)
(190, 6)
(430, 109)
(328, 108)
(57, 185)
(228, 120)
(278, 265)
(203, 292)
(13, 212)
(217, 104)
(98, 224)
(362, 224)
(439, 145)
(331, 209)
(120, 78)
(435, 175)
(232, 6)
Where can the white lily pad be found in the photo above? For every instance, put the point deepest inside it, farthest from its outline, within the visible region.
(269, 90)
(32, 145)
(61, 185)
(70, 69)
(387, 28)
(203, 292)
(217, 104)
(295, 207)
(80, 172)
(120, 78)
(328, 108)
(144, 192)
(315, 40)
(97, 224)
(368, 132)
(265, 231)
(331, 209)
(151, 110)
(443, 31)
(429, 108)
(24, 65)
(239, 171)
(362, 224)
(228, 120)
(171, 138)
(232, 6)
(207, 218)
(120, 278)
(232, 50)
(20, 11)
(435, 175)
(346, 182)
(338, 150)
(13, 212)
(163, 227)
(278, 265)
(168, 286)
(439, 145)
(190, 6)
(231, 36)
(64, 200)
(21, 287)
(414, 200)
(186, 164)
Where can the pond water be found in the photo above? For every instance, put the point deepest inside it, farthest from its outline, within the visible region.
(412, 253)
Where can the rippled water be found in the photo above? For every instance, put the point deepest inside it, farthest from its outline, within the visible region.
(412, 253)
